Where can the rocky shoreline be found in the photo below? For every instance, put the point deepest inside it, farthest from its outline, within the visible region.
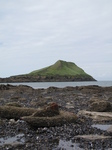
(27, 78)
(91, 104)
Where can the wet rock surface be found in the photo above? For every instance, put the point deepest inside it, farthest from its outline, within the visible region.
(18, 134)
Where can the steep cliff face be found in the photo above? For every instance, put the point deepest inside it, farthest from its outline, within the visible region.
(60, 71)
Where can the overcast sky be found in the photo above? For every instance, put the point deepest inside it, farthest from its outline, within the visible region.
(36, 33)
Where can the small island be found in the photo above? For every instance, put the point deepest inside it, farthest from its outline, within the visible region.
(61, 71)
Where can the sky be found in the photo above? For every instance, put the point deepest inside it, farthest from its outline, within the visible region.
(35, 34)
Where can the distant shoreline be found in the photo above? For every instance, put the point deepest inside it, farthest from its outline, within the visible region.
(37, 85)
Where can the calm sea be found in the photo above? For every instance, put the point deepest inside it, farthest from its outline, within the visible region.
(45, 85)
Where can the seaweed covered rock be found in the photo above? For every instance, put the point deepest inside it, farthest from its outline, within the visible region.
(4, 87)
(57, 120)
(101, 106)
(10, 112)
(45, 117)
(47, 111)
(50, 116)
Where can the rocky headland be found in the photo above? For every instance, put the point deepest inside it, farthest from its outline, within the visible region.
(61, 71)
(55, 118)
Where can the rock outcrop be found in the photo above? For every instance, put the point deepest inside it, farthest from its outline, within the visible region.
(101, 106)
(58, 120)
(27, 78)
(47, 111)
(10, 112)
(45, 117)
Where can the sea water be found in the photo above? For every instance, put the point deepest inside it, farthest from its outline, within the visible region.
(45, 85)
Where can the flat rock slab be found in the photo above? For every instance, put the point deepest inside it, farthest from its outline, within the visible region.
(110, 129)
(93, 137)
(97, 116)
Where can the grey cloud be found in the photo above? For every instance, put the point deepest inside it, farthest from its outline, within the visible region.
(79, 31)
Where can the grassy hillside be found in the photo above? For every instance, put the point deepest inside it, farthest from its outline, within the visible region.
(61, 71)
(60, 68)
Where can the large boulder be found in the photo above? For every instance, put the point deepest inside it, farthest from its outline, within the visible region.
(100, 106)
(47, 111)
